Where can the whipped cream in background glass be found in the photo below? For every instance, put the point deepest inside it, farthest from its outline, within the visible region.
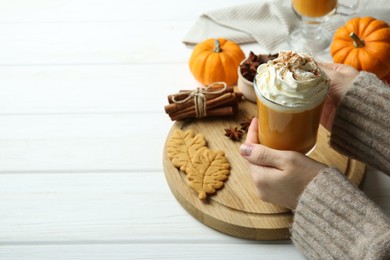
(293, 80)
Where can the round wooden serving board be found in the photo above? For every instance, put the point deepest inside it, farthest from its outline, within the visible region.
(235, 209)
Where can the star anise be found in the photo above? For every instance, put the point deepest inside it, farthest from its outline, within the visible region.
(233, 133)
(245, 124)
(249, 66)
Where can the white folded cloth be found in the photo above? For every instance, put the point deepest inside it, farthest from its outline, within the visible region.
(268, 23)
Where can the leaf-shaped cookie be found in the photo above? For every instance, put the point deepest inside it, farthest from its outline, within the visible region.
(208, 172)
(182, 147)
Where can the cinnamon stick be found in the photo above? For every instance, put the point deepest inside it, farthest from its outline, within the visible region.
(223, 103)
(228, 106)
(224, 100)
(220, 111)
(184, 93)
(171, 108)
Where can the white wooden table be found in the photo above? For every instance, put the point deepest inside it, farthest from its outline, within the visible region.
(82, 130)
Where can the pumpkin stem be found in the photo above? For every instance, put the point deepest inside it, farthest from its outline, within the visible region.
(217, 47)
(357, 42)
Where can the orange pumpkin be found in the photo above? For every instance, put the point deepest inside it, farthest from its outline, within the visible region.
(363, 43)
(216, 60)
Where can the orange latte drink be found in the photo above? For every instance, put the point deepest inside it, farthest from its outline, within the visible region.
(314, 8)
(290, 92)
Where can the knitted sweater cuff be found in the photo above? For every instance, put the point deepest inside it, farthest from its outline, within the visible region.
(334, 219)
(360, 128)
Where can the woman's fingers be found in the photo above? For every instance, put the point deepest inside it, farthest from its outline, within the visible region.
(251, 136)
(261, 155)
(331, 66)
(330, 69)
(256, 153)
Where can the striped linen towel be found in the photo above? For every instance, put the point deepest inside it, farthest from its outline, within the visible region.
(268, 23)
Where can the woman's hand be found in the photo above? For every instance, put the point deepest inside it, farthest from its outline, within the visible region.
(341, 78)
(279, 176)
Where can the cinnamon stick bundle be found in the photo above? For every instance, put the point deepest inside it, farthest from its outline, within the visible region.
(219, 111)
(214, 102)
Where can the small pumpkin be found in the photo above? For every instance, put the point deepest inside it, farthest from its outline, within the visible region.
(363, 43)
(216, 60)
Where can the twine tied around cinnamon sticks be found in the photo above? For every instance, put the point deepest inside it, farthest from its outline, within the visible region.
(203, 102)
(200, 98)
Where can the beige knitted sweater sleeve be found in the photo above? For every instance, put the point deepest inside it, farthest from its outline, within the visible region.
(334, 219)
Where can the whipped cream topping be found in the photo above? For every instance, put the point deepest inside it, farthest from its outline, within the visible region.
(293, 80)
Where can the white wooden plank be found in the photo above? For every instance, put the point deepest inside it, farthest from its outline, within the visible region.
(83, 142)
(91, 89)
(152, 251)
(92, 42)
(71, 143)
(101, 10)
(96, 43)
(92, 207)
(128, 207)
(135, 207)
